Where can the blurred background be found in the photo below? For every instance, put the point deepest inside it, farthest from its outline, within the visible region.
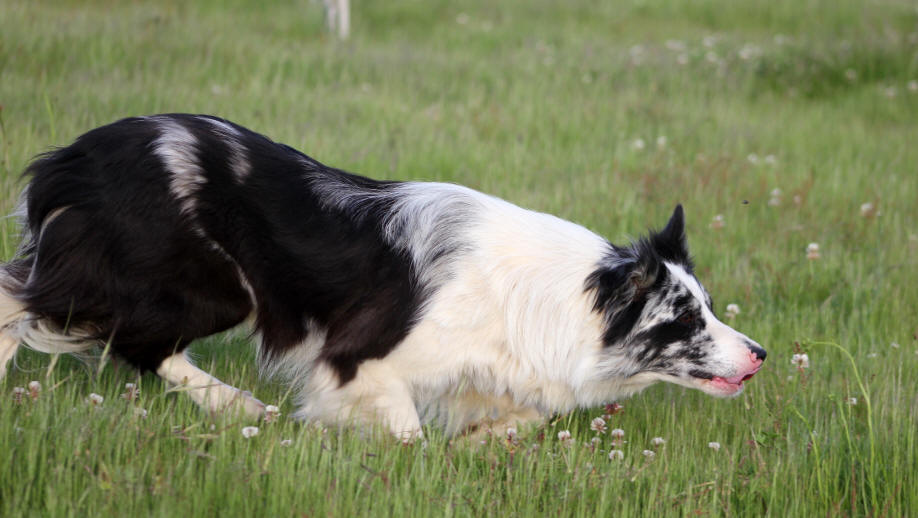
(779, 125)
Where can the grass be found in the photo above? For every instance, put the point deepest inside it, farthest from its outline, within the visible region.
(540, 103)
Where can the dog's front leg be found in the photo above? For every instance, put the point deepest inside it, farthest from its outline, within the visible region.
(376, 396)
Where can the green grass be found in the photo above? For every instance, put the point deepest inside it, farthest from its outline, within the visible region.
(538, 102)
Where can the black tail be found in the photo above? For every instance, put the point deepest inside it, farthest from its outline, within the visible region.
(107, 256)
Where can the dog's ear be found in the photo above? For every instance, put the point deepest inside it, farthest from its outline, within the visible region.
(621, 292)
(670, 242)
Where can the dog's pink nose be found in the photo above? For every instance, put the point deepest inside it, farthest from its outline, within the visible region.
(756, 359)
(758, 354)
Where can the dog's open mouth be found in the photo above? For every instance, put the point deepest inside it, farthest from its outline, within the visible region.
(720, 385)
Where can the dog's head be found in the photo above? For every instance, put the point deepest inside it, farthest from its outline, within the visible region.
(659, 321)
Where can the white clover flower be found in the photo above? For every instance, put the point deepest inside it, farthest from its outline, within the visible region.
(867, 209)
(752, 158)
(749, 51)
(771, 159)
(812, 251)
(733, 310)
(462, 18)
(802, 361)
(616, 455)
(638, 144)
(648, 453)
(598, 425)
(511, 434)
(140, 412)
(913, 86)
(717, 222)
(95, 399)
(564, 435)
(662, 141)
(286, 442)
(658, 441)
(271, 413)
(775, 197)
(131, 392)
(18, 394)
(709, 41)
(872, 355)
(637, 54)
(249, 431)
(594, 442)
(894, 345)
(714, 446)
(675, 45)
(617, 433)
(34, 389)
(852, 401)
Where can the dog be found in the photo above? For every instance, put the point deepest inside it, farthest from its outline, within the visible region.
(381, 302)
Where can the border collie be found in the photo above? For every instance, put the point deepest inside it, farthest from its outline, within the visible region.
(395, 303)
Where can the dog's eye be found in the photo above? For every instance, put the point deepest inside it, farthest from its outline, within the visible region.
(686, 318)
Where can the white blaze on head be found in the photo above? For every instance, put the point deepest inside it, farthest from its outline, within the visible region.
(731, 348)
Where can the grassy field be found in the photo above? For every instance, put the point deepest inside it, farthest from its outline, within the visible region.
(784, 118)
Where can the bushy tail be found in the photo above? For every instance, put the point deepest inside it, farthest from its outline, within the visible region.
(20, 327)
(12, 312)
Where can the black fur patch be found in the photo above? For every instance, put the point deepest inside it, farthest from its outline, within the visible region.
(124, 261)
(626, 277)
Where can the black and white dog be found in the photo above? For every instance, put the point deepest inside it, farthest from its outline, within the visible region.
(389, 302)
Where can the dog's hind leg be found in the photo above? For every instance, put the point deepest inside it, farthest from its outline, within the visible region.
(206, 390)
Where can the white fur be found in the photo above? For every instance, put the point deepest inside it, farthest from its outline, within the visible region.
(206, 390)
(177, 148)
(510, 325)
(238, 162)
(8, 347)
